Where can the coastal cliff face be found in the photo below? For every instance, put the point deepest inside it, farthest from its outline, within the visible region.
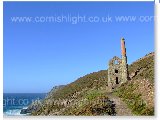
(89, 95)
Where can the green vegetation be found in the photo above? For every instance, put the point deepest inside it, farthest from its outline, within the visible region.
(93, 80)
(144, 68)
(80, 97)
(94, 103)
(90, 95)
(133, 99)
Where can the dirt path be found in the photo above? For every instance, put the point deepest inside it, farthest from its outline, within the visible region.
(120, 107)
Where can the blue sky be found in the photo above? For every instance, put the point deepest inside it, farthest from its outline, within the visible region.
(38, 56)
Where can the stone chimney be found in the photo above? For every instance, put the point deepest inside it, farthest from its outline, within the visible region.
(124, 66)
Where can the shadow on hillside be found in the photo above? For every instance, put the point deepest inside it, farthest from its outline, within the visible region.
(108, 109)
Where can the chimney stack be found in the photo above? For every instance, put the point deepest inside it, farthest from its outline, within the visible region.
(123, 49)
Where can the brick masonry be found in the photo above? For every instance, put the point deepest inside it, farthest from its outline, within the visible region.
(118, 69)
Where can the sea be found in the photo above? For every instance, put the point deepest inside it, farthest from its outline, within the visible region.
(13, 103)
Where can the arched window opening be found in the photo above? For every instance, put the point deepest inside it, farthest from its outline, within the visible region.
(116, 62)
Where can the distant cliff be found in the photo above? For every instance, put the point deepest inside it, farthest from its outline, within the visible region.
(89, 95)
(54, 89)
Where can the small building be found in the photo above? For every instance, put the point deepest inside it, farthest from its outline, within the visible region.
(118, 69)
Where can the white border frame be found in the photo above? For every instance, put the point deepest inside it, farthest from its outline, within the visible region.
(157, 68)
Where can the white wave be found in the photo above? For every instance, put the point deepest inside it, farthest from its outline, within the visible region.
(14, 112)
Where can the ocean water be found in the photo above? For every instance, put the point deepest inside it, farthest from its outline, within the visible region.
(13, 103)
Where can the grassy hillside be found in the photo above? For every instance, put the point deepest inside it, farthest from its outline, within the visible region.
(138, 93)
(88, 94)
(92, 80)
(143, 68)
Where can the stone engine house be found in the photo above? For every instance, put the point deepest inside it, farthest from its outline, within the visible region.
(118, 69)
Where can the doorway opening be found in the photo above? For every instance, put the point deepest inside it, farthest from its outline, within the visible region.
(117, 82)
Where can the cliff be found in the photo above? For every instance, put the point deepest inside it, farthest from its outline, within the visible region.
(88, 95)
